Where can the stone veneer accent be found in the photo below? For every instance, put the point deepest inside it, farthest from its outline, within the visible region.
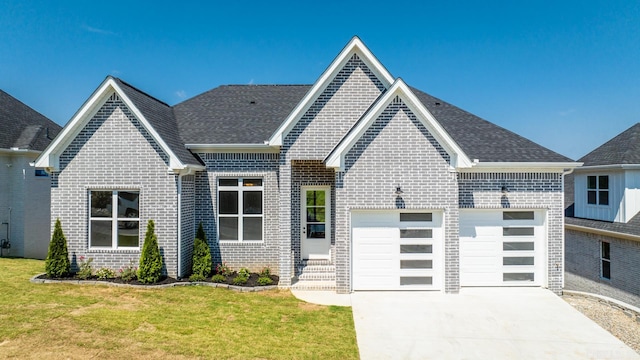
(253, 255)
(525, 191)
(396, 150)
(582, 259)
(115, 152)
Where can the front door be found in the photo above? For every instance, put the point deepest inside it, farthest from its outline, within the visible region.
(315, 222)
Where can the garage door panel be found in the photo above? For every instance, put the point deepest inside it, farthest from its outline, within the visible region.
(394, 254)
(496, 250)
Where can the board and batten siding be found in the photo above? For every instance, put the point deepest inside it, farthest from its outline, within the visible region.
(612, 212)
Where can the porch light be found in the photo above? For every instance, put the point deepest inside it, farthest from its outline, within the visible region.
(504, 189)
(399, 191)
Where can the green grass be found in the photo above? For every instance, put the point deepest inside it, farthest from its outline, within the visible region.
(84, 321)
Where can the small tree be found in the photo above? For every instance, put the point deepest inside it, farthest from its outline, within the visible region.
(57, 264)
(201, 264)
(150, 268)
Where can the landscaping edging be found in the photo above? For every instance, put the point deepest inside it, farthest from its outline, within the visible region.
(35, 280)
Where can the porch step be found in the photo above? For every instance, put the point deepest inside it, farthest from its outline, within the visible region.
(315, 275)
(314, 285)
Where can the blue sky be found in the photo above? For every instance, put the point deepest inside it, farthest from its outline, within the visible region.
(565, 74)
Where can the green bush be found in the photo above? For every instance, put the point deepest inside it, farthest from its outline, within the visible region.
(57, 264)
(240, 280)
(218, 278)
(150, 268)
(105, 273)
(265, 272)
(264, 281)
(128, 273)
(201, 266)
(196, 277)
(244, 272)
(85, 271)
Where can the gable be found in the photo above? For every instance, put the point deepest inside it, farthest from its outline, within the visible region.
(22, 127)
(50, 158)
(351, 92)
(398, 93)
(112, 139)
(354, 47)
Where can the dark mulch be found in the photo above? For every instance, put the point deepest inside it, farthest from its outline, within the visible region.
(252, 282)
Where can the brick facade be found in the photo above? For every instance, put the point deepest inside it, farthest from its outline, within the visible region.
(397, 150)
(524, 191)
(253, 255)
(114, 151)
(583, 266)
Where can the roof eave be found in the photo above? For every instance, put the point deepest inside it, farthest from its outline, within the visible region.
(615, 234)
(519, 166)
(233, 148)
(610, 167)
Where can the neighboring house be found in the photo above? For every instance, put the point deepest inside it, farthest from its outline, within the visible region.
(602, 224)
(24, 190)
(357, 182)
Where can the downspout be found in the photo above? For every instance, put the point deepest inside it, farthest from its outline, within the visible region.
(565, 172)
(179, 274)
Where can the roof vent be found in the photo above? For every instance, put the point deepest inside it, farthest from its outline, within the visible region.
(252, 102)
(437, 104)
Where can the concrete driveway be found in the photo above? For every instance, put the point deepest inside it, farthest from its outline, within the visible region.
(478, 323)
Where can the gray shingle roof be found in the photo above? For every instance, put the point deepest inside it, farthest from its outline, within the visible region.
(622, 149)
(237, 114)
(23, 127)
(160, 116)
(482, 140)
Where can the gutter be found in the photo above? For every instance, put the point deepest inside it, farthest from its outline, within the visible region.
(614, 234)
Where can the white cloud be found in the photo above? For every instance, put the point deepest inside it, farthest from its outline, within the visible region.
(251, 82)
(98, 31)
(181, 94)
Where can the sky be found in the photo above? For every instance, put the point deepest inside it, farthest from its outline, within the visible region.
(565, 74)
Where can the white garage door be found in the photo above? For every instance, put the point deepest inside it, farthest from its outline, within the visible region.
(502, 247)
(395, 250)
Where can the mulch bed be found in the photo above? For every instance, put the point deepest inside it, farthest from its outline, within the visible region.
(165, 280)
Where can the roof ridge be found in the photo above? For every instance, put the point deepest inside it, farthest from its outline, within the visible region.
(140, 91)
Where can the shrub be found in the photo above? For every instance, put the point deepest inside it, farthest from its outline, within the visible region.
(105, 273)
(57, 264)
(218, 278)
(264, 281)
(224, 270)
(265, 272)
(240, 280)
(128, 273)
(201, 266)
(150, 268)
(196, 277)
(85, 271)
(244, 272)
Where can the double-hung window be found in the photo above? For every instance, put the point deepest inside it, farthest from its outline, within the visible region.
(605, 260)
(598, 190)
(240, 209)
(115, 219)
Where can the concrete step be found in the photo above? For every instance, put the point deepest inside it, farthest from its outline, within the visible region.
(317, 276)
(316, 262)
(317, 269)
(314, 285)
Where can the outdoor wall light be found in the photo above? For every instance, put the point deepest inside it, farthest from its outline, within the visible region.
(504, 189)
(399, 191)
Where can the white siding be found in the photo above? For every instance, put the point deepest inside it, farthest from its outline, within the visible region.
(631, 194)
(614, 211)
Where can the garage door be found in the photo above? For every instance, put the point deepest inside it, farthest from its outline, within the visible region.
(395, 250)
(502, 247)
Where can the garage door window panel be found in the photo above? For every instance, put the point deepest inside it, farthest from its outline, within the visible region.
(416, 217)
(518, 246)
(416, 249)
(517, 260)
(416, 264)
(416, 233)
(520, 277)
(518, 231)
(416, 280)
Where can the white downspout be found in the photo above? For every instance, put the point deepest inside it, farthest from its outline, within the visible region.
(565, 172)
(179, 274)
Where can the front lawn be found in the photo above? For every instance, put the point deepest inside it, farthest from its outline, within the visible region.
(83, 321)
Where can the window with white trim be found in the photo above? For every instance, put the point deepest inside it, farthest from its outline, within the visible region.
(114, 221)
(598, 190)
(240, 209)
(605, 260)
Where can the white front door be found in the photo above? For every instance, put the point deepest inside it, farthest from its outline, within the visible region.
(315, 222)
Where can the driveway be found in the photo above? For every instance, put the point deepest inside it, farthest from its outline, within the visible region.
(478, 323)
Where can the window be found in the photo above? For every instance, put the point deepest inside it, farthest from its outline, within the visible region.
(598, 190)
(114, 219)
(240, 212)
(605, 259)
(41, 173)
